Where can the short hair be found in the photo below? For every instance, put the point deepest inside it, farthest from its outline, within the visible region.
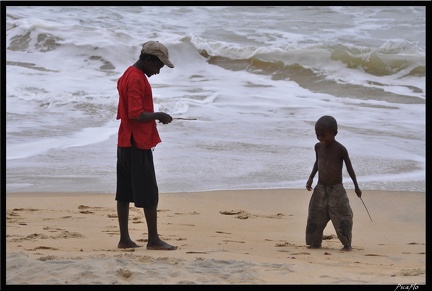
(328, 122)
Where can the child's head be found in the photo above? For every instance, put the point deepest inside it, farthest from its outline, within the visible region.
(326, 124)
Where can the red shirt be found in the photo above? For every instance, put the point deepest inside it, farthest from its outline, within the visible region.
(135, 97)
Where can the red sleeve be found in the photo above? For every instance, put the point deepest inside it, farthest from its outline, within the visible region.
(135, 97)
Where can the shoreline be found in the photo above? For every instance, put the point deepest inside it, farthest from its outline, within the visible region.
(223, 237)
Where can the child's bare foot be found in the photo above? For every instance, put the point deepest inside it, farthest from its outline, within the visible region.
(161, 246)
(127, 244)
(314, 246)
(346, 249)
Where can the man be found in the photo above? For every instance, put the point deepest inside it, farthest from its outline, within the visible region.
(137, 136)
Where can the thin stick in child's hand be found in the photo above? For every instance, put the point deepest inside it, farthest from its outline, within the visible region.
(366, 208)
(181, 118)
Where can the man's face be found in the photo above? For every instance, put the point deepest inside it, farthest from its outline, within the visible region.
(153, 67)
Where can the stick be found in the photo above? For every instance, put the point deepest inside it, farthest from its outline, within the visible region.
(180, 118)
(366, 208)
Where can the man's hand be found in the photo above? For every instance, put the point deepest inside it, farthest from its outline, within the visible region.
(165, 118)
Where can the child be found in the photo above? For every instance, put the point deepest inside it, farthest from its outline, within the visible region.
(329, 199)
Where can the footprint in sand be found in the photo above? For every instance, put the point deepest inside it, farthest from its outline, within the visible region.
(36, 236)
(328, 237)
(236, 241)
(124, 273)
(85, 209)
(188, 213)
(411, 272)
(88, 207)
(12, 216)
(284, 244)
(25, 209)
(241, 214)
(67, 234)
(43, 248)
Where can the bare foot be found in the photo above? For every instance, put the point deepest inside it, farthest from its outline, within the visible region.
(346, 249)
(314, 246)
(161, 246)
(128, 244)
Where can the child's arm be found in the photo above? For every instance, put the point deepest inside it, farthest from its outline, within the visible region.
(314, 171)
(351, 171)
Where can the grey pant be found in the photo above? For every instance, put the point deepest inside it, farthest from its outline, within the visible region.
(329, 203)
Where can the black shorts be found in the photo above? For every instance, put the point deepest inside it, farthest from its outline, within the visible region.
(136, 178)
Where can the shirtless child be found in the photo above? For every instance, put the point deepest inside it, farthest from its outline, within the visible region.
(329, 199)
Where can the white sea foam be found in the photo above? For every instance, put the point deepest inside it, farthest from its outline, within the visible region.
(254, 124)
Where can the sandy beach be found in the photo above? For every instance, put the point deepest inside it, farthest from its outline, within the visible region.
(223, 237)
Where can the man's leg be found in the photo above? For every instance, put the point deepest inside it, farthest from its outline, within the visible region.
(154, 242)
(123, 219)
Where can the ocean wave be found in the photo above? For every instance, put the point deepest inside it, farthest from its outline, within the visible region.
(255, 80)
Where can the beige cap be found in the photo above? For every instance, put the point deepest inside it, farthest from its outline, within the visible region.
(157, 49)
